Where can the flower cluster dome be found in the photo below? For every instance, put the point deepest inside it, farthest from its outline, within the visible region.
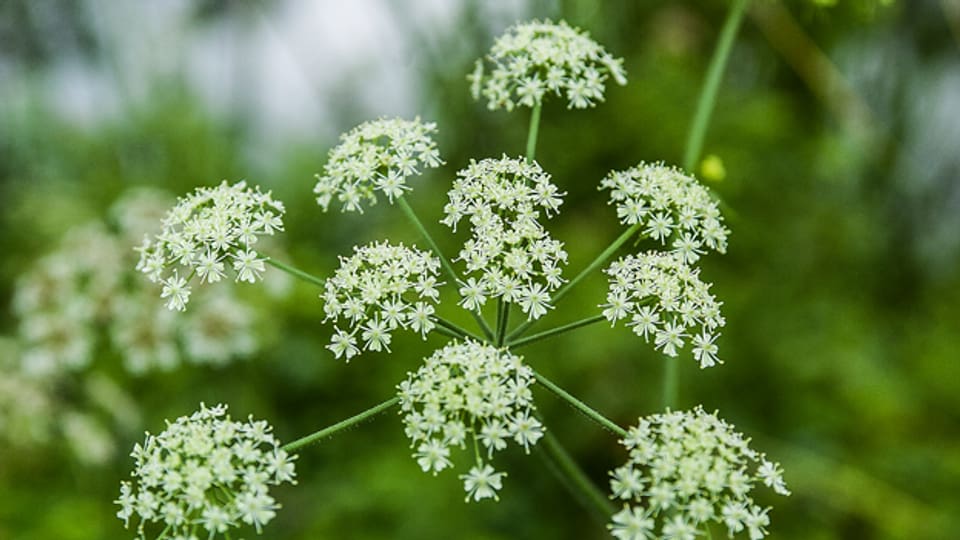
(687, 469)
(662, 297)
(206, 473)
(671, 206)
(515, 257)
(207, 231)
(379, 155)
(536, 58)
(380, 288)
(469, 393)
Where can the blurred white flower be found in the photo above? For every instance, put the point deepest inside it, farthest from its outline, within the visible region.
(536, 58)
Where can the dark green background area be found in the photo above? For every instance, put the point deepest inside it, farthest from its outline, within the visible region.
(838, 128)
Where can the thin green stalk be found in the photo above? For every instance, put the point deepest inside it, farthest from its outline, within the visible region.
(708, 94)
(447, 332)
(412, 216)
(503, 313)
(293, 271)
(580, 406)
(602, 258)
(694, 145)
(575, 479)
(554, 331)
(458, 330)
(344, 424)
(533, 131)
(671, 381)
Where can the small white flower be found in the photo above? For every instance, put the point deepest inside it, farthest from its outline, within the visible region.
(176, 290)
(482, 482)
(379, 155)
(535, 58)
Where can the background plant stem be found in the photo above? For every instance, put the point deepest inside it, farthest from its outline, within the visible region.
(694, 147)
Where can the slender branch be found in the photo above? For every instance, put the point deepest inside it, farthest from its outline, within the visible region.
(554, 331)
(293, 271)
(580, 406)
(708, 94)
(460, 331)
(533, 131)
(575, 479)
(447, 332)
(344, 424)
(602, 258)
(503, 313)
(412, 216)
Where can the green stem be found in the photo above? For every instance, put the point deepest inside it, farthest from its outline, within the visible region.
(447, 332)
(708, 94)
(293, 271)
(554, 331)
(459, 331)
(532, 132)
(580, 406)
(575, 479)
(412, 216)
(344, 424)
(503, 313)
(602, 258)
(671, 381)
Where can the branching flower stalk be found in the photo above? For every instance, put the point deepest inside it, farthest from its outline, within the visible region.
(475, 394)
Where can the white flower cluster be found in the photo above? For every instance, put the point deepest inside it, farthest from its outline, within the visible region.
(68, 296)
(535, 58)
(671, 206)
(469, 391)
(515, 256)
(663, 298)
(687, 469)
(376, 156)
(206, 231)
(205, 473)
(368, 291)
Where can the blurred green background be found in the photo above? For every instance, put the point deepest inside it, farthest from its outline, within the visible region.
(837, 124)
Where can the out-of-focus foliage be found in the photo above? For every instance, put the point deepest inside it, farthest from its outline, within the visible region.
(835, 137)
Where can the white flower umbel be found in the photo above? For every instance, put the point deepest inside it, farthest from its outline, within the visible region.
(687, 469)
(380, 288)
(672, 208)
(469, 393)
(537, 58)
(515, 257)
(379, 155)
(204, 475)
(662, 298)
(208, 234)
